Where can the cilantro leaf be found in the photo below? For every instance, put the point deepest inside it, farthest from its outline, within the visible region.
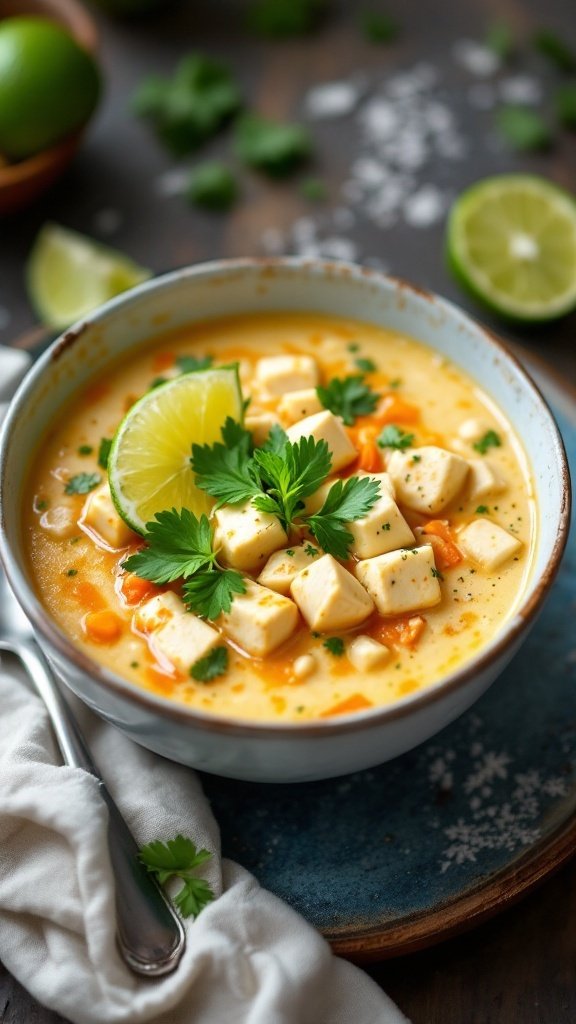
(523, 128)
(179, 545)
(379, 27)
(85, 449)
(292, 474)
(190, 107)
(394, 437)
(189, 364)
(555, 50)
(314, 190)
(104, 452)
(276, 439)
(211, 666)
(500, 40)
(565, 101)
(82, 483)
(348, 397)
(209, 593)
(346, 501)
(335, 645)
(179, 858)
(271, 146)
(225, 471)
(212, 186)
(490, 440)
(365, 365)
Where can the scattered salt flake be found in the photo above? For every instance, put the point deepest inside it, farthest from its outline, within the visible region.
(425, 207)
(173, 182)
(107, 221)
(475, 58)
(333, 99)
(521, 89)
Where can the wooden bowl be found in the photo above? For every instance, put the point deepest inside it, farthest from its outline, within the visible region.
(22, 182)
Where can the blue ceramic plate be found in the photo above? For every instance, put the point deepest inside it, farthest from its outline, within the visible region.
(392, 859)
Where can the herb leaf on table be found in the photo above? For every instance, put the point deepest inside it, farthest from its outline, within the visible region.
(179, 858)
(274, 147)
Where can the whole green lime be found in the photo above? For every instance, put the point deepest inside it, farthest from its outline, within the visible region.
(49, 85)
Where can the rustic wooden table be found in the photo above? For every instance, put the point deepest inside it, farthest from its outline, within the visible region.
(520, 968)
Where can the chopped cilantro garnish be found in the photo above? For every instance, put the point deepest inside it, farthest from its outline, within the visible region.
(555, 50)
(85, 449)
(335, 645)
(348, 397)
(104, 452)
(71, 572)
(189, 364)
(282, 18)
(211, 666)
(180, 546)
(386, 526)
(490, 440)
(379, 27)
(365, 365)
(310, 551)
(82, 483)
(394, 437)
(437, 574)
(523, 128)
(482, 510)
(500, 40)
(190, 107)
(41, 505)
(290, 552)
(353, 346)
(565, 100)
(394, 384)
(179, 858)
(213, 186)
(314, 190)
(416, 458)
(271, 146)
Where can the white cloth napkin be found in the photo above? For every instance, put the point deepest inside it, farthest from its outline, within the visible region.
(250, 959)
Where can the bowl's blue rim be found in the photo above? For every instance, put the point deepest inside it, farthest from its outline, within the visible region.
(373, 717)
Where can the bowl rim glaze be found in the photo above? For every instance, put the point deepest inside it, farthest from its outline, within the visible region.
(358, 721)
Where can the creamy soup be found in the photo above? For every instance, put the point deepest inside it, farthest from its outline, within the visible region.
(431, 570)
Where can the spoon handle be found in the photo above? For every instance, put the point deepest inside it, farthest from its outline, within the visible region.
(150, 934)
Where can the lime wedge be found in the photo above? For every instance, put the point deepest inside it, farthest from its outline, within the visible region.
(511, 242)
(69, 275)
(149, 464)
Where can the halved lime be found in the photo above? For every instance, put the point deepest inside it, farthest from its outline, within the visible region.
(511, 242)
(149, 464)
(69, 275)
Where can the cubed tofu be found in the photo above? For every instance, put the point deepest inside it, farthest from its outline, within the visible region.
(59, 522)
(259, 424)
(382, 529)
(325, 426)
(296, 405)
(329, 597)
(259, 620)
(401, 581)
(246, 537)
(427, 479)
(487, 543)
(278, 374)
(100, 516)
(366, 653)
(484, 479)
(175, 635)
(283, 566)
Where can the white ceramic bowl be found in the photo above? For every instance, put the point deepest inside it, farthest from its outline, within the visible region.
(253, 750)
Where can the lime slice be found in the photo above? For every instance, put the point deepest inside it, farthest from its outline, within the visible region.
(69, 275)
(512, 243)
(149, 463)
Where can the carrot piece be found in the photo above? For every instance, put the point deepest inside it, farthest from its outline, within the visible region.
(104, 626)
(404, 632)
(88, 596)
(356, 702)
(397, 410)
(134, 589)
(370, 459)
(446, 552)
(163, 361)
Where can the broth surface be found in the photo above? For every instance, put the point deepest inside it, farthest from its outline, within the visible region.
(76, 575)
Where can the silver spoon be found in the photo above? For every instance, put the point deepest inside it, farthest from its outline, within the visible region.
(150, 935)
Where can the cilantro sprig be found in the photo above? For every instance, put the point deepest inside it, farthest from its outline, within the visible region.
(277, 478)
(489, 440)
(394, 437)
(348, 397)
(179, 858)
(180, 546)
(82, 483)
